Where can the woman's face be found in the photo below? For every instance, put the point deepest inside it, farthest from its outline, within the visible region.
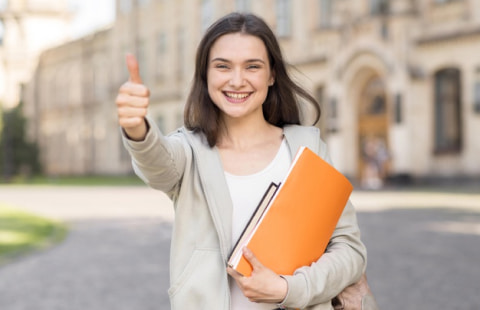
(239, 75)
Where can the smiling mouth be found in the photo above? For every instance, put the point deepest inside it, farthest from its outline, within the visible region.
(237, 96)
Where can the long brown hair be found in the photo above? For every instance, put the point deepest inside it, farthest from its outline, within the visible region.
(281, 106)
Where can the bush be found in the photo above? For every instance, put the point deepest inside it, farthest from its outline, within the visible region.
(18, 156)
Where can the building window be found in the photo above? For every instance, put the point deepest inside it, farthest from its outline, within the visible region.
(398, 109)
(476, 92)
(448, 130)
(207, 14)
(142, 61)
(2, 31)
(476, 105)
(143, 3)
(332, 115)
(179, 117)
(325, 8)
(161, 55)
(160, 121)
(181, 43)
(125, 6)
(322, 123)
(378, 7)
(283, 12)
(242, 5)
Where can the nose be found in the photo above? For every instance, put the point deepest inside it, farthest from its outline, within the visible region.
(237, 79)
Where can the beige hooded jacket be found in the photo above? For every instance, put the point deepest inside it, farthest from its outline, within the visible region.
(190, 172)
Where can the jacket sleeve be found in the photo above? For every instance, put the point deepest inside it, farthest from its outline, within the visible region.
(342, 264)
(158, 160)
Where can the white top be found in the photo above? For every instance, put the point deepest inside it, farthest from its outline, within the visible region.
(246, 192)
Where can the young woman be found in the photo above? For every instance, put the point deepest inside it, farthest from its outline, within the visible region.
(241, 130)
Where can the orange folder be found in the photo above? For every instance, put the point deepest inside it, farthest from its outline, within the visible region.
(299, 220)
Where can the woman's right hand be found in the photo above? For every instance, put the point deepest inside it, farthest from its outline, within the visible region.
(132, 103)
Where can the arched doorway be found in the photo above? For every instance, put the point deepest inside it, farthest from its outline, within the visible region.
(373, 157)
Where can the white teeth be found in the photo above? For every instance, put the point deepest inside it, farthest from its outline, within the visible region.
(237, 95)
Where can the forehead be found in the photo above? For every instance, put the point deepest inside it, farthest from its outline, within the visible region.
(237, 46)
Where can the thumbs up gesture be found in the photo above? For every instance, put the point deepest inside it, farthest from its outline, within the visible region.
(132, 103)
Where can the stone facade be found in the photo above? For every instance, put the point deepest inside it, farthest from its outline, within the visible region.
(403, 73)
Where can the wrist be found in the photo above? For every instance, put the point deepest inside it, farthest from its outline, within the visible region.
(137, 133)
(283, 294)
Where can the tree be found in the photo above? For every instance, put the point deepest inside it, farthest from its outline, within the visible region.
(17, 154)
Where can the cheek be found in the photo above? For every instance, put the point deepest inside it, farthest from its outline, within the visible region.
(213, 89)
(213, 81)
(262, 83)
(210, 84)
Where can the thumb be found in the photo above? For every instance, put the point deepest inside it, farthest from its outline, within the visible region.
(252, 259)
(133, 71)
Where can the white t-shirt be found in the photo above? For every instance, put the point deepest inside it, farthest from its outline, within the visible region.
(246, 192)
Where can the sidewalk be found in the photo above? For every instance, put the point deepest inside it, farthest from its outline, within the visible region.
(115, 256)
(443, 197)
(84, 202)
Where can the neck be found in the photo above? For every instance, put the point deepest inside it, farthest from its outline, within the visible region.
(242, 135)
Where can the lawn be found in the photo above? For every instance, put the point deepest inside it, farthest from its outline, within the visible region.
(129, 180)
(21, 233)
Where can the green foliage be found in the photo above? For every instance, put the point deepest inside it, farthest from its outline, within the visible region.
(21, 232)
(17, 155)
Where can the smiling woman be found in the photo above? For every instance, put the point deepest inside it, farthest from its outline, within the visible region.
(21, 232)
(242, 129)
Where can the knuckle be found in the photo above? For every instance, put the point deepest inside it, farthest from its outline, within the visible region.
(145, 102)
(125, 88)
(120, 100)
(143, 91)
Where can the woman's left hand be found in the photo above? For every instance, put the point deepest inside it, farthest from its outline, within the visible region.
(263, 285)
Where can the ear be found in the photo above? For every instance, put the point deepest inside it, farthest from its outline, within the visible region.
(271, 81)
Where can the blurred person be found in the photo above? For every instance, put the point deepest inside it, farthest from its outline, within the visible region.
(375, 157)
(242, 128)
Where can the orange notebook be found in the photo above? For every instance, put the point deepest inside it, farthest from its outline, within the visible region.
(299, 220)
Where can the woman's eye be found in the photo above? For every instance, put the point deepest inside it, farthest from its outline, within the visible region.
(221, 66)
(253, 67)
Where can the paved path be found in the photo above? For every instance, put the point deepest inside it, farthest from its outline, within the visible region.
(424, 250)
(115, 256)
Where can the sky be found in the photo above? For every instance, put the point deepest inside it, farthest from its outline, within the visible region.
(91, 15)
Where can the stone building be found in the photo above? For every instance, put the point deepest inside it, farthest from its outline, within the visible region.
(29, 27)
(403, 74)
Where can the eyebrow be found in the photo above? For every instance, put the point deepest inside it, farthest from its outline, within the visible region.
(248, 61)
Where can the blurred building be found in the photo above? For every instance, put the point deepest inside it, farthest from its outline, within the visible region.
(28, 28)
(401, 75)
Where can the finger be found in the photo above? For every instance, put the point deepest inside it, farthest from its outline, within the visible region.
(131, 101)
(131, 112)
(233, 273)
(252, 259)
(133, 71)
(134, 89)
(130, 122)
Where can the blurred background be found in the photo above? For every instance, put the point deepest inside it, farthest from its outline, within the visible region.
(399, 85)
(398, 80)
